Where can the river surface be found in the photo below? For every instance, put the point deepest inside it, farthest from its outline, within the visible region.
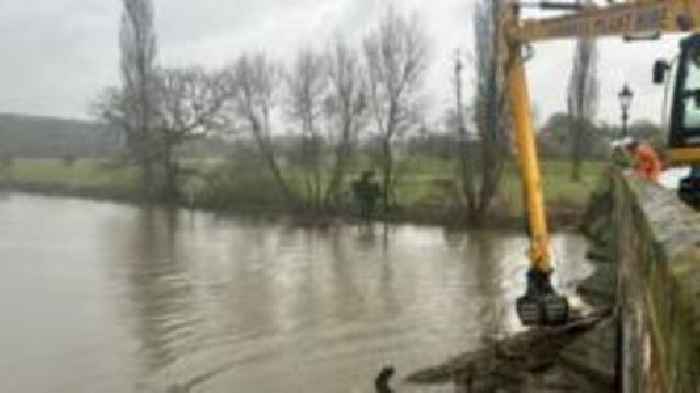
(102, 297)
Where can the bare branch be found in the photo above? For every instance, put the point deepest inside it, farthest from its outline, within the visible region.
(489, 104)
(396, 60)
(307, 86)
(189, 103)
(254, 82)
(346, 104)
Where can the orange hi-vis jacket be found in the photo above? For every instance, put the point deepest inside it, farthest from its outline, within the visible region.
(647, 163)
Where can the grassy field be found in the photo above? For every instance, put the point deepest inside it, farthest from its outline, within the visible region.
(83, 174)
(559, 190)
(426, 181)
(422, 182)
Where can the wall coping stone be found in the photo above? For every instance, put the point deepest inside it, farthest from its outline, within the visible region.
(674, 225)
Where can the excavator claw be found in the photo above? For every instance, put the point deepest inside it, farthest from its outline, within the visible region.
(541, 305)
(530, 311)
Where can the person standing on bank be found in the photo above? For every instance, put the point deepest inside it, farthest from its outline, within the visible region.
(366, 191)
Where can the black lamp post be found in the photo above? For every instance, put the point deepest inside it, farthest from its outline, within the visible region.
(625, 95)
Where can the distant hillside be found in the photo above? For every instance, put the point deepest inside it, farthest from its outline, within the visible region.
(38, 136)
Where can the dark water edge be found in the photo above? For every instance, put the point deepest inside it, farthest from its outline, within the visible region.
(560, 218)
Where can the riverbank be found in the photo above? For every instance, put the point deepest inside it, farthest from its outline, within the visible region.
(427, 197)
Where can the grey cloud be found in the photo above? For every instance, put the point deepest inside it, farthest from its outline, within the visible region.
(58, 54)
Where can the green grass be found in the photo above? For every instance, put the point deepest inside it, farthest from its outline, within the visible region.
(426, 183)
(559, 189)
(83, 174)
(421, 181)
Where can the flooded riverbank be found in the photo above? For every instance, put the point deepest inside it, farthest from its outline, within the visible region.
(103, 297)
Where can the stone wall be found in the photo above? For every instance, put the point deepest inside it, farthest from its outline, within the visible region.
(657, 248)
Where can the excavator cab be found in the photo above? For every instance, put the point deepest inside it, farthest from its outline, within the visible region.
(684, 124)
(685, 108)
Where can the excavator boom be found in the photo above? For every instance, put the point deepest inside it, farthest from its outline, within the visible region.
(625, 19)
(632, 19)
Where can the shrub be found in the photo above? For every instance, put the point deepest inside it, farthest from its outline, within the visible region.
(240, 184)
(69, 160)
(7, 160)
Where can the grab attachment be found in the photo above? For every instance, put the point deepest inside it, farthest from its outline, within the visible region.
(541, 305)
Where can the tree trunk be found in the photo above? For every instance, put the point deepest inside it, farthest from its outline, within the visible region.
(170, 168)
(269, 158)
(387, 174)
(317, 172)
(491, 172)
(277, 174)
(467, 169)
(307, 168)
(337, 177)
(147, 171)
(489, 189)
(147, 178)
(465, 157)
(342, 153)
(577, 150)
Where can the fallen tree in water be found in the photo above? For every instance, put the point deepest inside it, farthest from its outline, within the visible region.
(542, 359)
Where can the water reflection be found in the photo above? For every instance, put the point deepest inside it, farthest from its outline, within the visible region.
(158, 291)
(489, 284)
(196, 302)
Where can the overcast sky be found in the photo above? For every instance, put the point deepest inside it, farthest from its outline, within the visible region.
(58, 54)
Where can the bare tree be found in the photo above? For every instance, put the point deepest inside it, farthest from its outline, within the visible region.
(489, 108)
(582, 97)
(346, 105)
(138, 48)
(396, 57)
(255, 80)
(307, 85)
(455, 120)
(188, 106)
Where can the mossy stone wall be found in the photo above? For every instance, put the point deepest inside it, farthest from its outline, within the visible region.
(657, 247)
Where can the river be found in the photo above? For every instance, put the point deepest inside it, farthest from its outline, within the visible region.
(106, 297)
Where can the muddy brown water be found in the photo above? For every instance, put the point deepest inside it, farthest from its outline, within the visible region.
(105, 297)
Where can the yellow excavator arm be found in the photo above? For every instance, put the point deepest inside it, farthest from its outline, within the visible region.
(631, 19)
(624, 19)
